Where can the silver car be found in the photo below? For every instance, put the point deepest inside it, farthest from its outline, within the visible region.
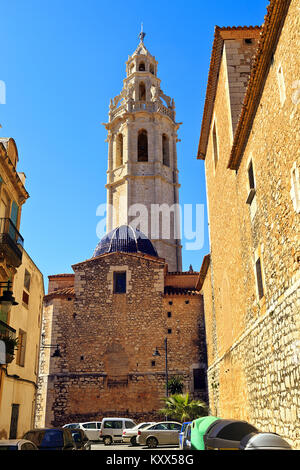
(91, 429)
(163, 433)
(130, 435)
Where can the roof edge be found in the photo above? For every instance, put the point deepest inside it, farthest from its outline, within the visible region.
(138, 254)
(271, 30)
(203, 272)
(221, 34)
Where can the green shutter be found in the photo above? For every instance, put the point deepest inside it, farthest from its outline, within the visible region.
(14, 219)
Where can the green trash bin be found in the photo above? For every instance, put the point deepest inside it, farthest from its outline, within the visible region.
(199, 428)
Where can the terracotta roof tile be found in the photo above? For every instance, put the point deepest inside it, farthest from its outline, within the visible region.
(169, 290)
(65, 292)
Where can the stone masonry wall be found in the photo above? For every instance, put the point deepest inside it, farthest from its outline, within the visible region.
(255, 374)
(107, 342)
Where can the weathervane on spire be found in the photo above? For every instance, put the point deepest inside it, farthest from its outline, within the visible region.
(142, 34)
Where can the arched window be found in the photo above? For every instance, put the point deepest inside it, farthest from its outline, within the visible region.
(151, 69)
(165, 149)
(142, 92)
(142, 146)
(142, 67)
(119, 150)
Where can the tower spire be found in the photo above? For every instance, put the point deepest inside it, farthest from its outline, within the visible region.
(142, 34)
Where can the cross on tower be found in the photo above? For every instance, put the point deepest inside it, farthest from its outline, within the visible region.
(142, 34)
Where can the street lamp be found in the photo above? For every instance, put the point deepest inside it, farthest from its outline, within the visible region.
(7, 299)
(157, 354)
(49, 346)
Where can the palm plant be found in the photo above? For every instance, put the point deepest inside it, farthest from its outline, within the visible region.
(182, 408)
(175, 385)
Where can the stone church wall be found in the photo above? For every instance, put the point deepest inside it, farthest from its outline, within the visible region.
(253, 343)
(107, 342)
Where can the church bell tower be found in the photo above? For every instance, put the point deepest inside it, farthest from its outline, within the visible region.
(142, 176)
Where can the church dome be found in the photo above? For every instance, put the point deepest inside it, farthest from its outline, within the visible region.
(127, 240)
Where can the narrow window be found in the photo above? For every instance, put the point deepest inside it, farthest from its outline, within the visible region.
(152, 69)
(169, 331)
(13, 431)
(169, 314)
(259, 280)
(25, 298)
(281, 85)
(120, 282)
(142, 92)
(251, 182)
(142, 67)
(143, 146)
(215, 145)
(21, 348)
(119, 150)
(27, 278)
(251, 176)
(165, 148)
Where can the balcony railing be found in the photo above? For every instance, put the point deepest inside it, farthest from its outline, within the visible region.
(6, 331)
(11, 242)
(135, 106)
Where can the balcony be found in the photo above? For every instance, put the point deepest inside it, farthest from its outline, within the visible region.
(11, 243)
(136, 106)
(8, 343)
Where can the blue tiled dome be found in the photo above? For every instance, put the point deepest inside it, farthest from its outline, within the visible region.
(127, 240)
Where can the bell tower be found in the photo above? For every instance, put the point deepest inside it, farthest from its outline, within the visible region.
(142, 177)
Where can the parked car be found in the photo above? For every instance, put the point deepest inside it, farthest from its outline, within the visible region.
(130, 435)
(183, 428)
(165, 432)
(91, 428)
(51, 438)
(81, 440)
(112, 429)
(186, 440)
(72, 426)
(17, 444)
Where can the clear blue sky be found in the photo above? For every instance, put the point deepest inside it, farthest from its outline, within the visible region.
(62, 61)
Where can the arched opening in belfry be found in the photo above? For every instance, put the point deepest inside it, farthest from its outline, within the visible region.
(142, 92)
(142, 67)
(152, 69)
(142, 146)
(119, 150)
(166, 150)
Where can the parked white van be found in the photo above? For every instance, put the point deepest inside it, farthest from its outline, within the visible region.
(112, 429)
